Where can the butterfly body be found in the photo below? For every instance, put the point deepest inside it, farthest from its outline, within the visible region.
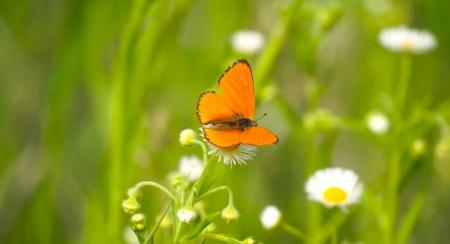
(239, 123)
(227, 117)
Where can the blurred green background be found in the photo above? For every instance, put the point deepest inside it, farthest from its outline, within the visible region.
(93, 95)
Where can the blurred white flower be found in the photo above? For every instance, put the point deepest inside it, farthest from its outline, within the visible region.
(403, 39)
(334, 187)
(191, 167)
(186, 215)
(129, 236)
(378, 123)
(270, 217)
(247, 42)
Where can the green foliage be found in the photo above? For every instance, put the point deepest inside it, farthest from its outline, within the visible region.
(93, 95)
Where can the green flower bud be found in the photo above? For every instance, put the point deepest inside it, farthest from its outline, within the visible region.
(418, 147)
(249, 240)
(319, 120)
(230, 213)
(138, 222)
(134, 193)
(131, 205)
(187, 137)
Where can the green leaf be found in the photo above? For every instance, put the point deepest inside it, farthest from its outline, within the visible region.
(200, 226)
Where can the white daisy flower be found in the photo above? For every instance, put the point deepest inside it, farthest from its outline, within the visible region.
(247, 42)
(191, 167)
(270, 217)
(403, 39)
(334, 187)
(232, 156)
(378, 123)
(186, 215)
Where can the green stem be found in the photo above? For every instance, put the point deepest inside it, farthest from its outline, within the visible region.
(275, 43)
(314, 215)
(330, 227)
(410, 219)
(334, 237)
(119, 121)
(294, 231)
(157, 186)
(198, 186)
(220, 188)
(396, 155)
(405, 73)
(220, 237)
(150, 235)
(204, 151)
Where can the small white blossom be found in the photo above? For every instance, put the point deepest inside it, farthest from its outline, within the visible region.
(403, 39)
(270, 217)
(247, 42)
(334, 187)
(191, 167)
(186, 215)
(378, 123)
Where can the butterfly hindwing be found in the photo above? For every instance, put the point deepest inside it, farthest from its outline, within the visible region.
(223, 138)
(237, 89)
(212, 107)
(258, 136)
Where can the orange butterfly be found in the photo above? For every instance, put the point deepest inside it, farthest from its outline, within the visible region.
(227, 118)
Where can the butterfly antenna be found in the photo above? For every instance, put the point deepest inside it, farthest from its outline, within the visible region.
(260, 117)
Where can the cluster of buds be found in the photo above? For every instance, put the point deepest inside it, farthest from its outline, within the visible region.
(131, 206)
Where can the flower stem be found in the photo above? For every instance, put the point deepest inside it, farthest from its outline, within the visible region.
(294, 231)
(395, 155)
(150, 235)
(157, 186)
(405, 73)
(277, 38)
(220, 237)
(199, 184)
(220, 188)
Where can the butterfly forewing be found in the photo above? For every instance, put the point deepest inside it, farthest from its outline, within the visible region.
(211, 107)
(237, 88)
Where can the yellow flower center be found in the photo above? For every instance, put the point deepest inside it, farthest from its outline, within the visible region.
(408, 45)
(335, 195)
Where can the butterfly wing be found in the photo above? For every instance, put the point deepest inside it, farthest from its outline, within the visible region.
(223, 138)
(237, 89)
(258, 136)
(212, 107)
